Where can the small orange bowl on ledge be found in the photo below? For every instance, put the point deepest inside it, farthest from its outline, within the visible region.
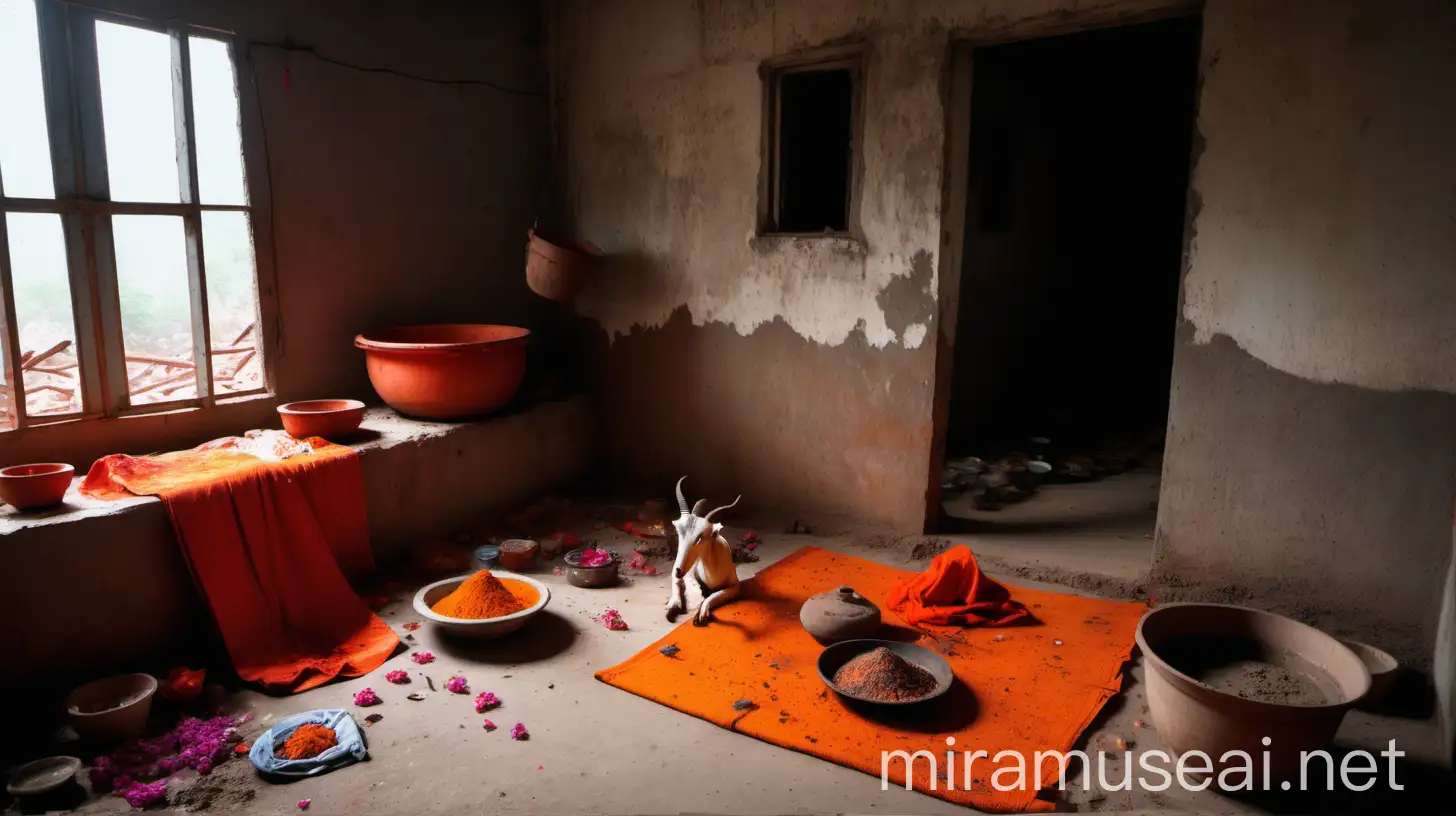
(35, 487)
(330, 418)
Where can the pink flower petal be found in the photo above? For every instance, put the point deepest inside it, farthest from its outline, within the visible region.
(489, 726)
(519, 732)
(366, 697)
(458, 685)
(304, 803)
(486, 701)
(422, 658)
(397, 676)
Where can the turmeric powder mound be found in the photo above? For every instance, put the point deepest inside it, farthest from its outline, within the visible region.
(307, 741)
(483, 595)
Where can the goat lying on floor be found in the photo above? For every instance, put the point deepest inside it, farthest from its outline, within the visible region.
(702, 549)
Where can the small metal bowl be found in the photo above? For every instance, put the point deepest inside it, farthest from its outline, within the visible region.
(43, 775)
(590, 577)
(833, 658)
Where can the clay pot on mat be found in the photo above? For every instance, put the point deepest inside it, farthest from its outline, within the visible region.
(839, 614)
(1185, 645)
(558, 271)
(452, 371)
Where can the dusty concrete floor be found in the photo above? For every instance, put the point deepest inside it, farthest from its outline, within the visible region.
(595, 749)
(1102, 527)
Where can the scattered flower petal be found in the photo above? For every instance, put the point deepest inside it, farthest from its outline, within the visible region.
(612, 619)
(242, 748)
(749, 537)
(486, 701)
(411, 626)
(141, 794)
(397, 676)
(372, 719)
(640, 563)
(304, 803)
(489, 726)
(1139, 724)
(1057, 642)
(457, 685)
(519, 732)
(595, 557)
(366, 697)
(558, 571)
(415, 697)
(422, 658)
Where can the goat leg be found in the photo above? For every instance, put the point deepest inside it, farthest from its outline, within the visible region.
(722, 596)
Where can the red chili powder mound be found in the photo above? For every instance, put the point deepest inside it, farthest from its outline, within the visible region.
(483, 595)
(880, 674)
(306, 742)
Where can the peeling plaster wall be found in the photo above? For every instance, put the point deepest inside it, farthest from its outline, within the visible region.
(822, 348)
(1312, 439)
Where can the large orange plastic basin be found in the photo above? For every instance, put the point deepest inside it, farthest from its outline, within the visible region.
(447, 371)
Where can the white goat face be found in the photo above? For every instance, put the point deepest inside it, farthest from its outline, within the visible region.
(693, 524)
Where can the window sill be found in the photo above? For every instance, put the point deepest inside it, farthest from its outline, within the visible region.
(843, 243)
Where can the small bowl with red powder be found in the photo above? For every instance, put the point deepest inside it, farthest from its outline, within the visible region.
(483, 605)
(885, 672)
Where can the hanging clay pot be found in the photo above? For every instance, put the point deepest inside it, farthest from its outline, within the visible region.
(839, 614)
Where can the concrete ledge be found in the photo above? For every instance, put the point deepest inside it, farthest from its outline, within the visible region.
(95, 585)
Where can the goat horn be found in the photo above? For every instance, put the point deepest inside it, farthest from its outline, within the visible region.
(698, 508)
(717, 510)
(681, 502)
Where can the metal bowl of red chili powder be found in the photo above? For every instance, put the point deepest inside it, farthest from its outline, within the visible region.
(530, 598)
(901, 674)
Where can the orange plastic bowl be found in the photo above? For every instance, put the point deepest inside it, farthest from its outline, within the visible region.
(329, 418)
(35, 487)
(452, 371)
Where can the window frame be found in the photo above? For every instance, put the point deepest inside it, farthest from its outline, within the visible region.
(850, 57)
(72, 95)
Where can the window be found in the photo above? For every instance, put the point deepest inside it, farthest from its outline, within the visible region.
(812, 118)
(127, 275)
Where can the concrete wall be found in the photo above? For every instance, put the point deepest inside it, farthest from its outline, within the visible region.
(1312, 448)
(393, 201)
(1445, 660)
(798, 371)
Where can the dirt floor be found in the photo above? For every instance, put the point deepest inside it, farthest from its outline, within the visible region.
(595, 749)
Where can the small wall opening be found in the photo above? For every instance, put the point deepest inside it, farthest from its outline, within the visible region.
(811, 143)
(1079, 155)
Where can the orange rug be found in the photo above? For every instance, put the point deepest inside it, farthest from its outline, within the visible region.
(268, 542)
(753, 671)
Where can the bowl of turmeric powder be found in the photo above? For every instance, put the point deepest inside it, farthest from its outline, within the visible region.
(485, 604)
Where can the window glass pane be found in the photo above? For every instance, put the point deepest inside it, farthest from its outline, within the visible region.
(43, 312)
(25, 149)
(232, 301)
(215, 123)
(136, 110)
(156, 321)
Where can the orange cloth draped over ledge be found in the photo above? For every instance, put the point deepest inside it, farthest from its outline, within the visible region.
(268, 543)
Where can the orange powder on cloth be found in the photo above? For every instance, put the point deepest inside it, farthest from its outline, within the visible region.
(483, 595)
(307, 741)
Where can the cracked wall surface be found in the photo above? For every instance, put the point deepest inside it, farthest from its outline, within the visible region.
(659, 114)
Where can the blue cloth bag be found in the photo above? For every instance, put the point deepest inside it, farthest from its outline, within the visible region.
(349, 750)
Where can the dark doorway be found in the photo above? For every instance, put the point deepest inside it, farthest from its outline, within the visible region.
(1079, 154)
